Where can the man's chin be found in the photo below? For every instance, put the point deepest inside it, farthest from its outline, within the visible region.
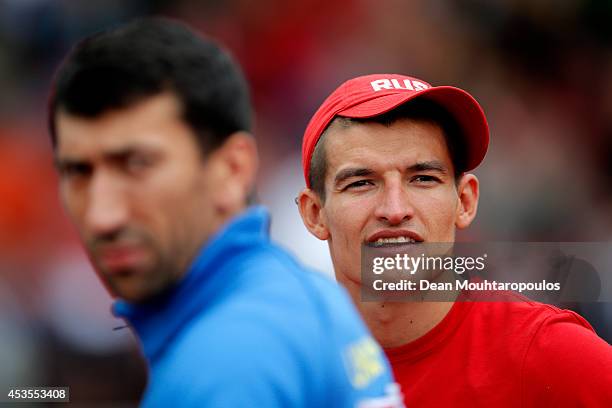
(134, 288)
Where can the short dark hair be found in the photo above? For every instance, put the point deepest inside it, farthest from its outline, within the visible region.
(421, 110)
(119, 67)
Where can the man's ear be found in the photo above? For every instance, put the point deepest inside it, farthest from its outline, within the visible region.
(236, 163)
(468, 200)
(313, 214)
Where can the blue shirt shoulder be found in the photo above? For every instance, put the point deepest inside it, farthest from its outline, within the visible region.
(268, 333)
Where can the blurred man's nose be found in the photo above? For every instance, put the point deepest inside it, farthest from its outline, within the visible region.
(107, 210)
(394, 205)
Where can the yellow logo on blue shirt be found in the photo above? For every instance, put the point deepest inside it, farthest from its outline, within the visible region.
(363, 361)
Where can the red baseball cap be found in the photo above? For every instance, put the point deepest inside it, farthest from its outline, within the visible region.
(372, 95)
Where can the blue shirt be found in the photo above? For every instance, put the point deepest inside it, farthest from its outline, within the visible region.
(249, 327)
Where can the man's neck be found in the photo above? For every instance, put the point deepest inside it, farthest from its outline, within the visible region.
(396, 323)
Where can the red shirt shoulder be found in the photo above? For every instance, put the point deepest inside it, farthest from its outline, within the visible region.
(509, 353)
(567, 364)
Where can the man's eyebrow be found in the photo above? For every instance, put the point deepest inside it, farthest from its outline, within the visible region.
(118, 154)
(433, 165)
(351, 172)
(63, 162)
(110, 155)
(125, 152)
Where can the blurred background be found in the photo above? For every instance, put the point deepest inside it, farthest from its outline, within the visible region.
(542, 70)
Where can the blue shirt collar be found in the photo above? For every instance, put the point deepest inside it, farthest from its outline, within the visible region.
(156, 322)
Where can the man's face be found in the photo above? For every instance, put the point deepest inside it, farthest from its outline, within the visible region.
(384, 185)
(142, 197)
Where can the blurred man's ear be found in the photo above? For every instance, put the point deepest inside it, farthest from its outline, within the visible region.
(311, 210)
(467, 191)
(236, 170)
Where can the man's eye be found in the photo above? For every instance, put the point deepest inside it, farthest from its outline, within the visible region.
(72, 170)
(137, 163)
(422, 178)
(357, 184)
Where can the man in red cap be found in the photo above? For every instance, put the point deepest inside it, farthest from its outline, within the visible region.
(386, 161)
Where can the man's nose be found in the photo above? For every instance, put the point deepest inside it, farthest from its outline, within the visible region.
(395, 206)
(107, 210)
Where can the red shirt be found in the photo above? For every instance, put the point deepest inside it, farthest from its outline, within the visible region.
(506, 354)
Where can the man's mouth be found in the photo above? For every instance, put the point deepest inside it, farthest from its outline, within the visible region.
(380, 242)
(119, 259)
(387, 238)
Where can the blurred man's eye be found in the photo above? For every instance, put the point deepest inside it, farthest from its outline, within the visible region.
(137, 163)
(74, 170)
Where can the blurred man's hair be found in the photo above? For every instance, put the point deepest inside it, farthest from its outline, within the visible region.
(120, 67)
(420, 110)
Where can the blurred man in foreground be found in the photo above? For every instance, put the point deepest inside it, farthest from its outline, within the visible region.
(151, 131)
(385, 162)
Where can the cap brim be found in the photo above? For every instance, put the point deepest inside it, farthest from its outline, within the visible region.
(462, 106)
